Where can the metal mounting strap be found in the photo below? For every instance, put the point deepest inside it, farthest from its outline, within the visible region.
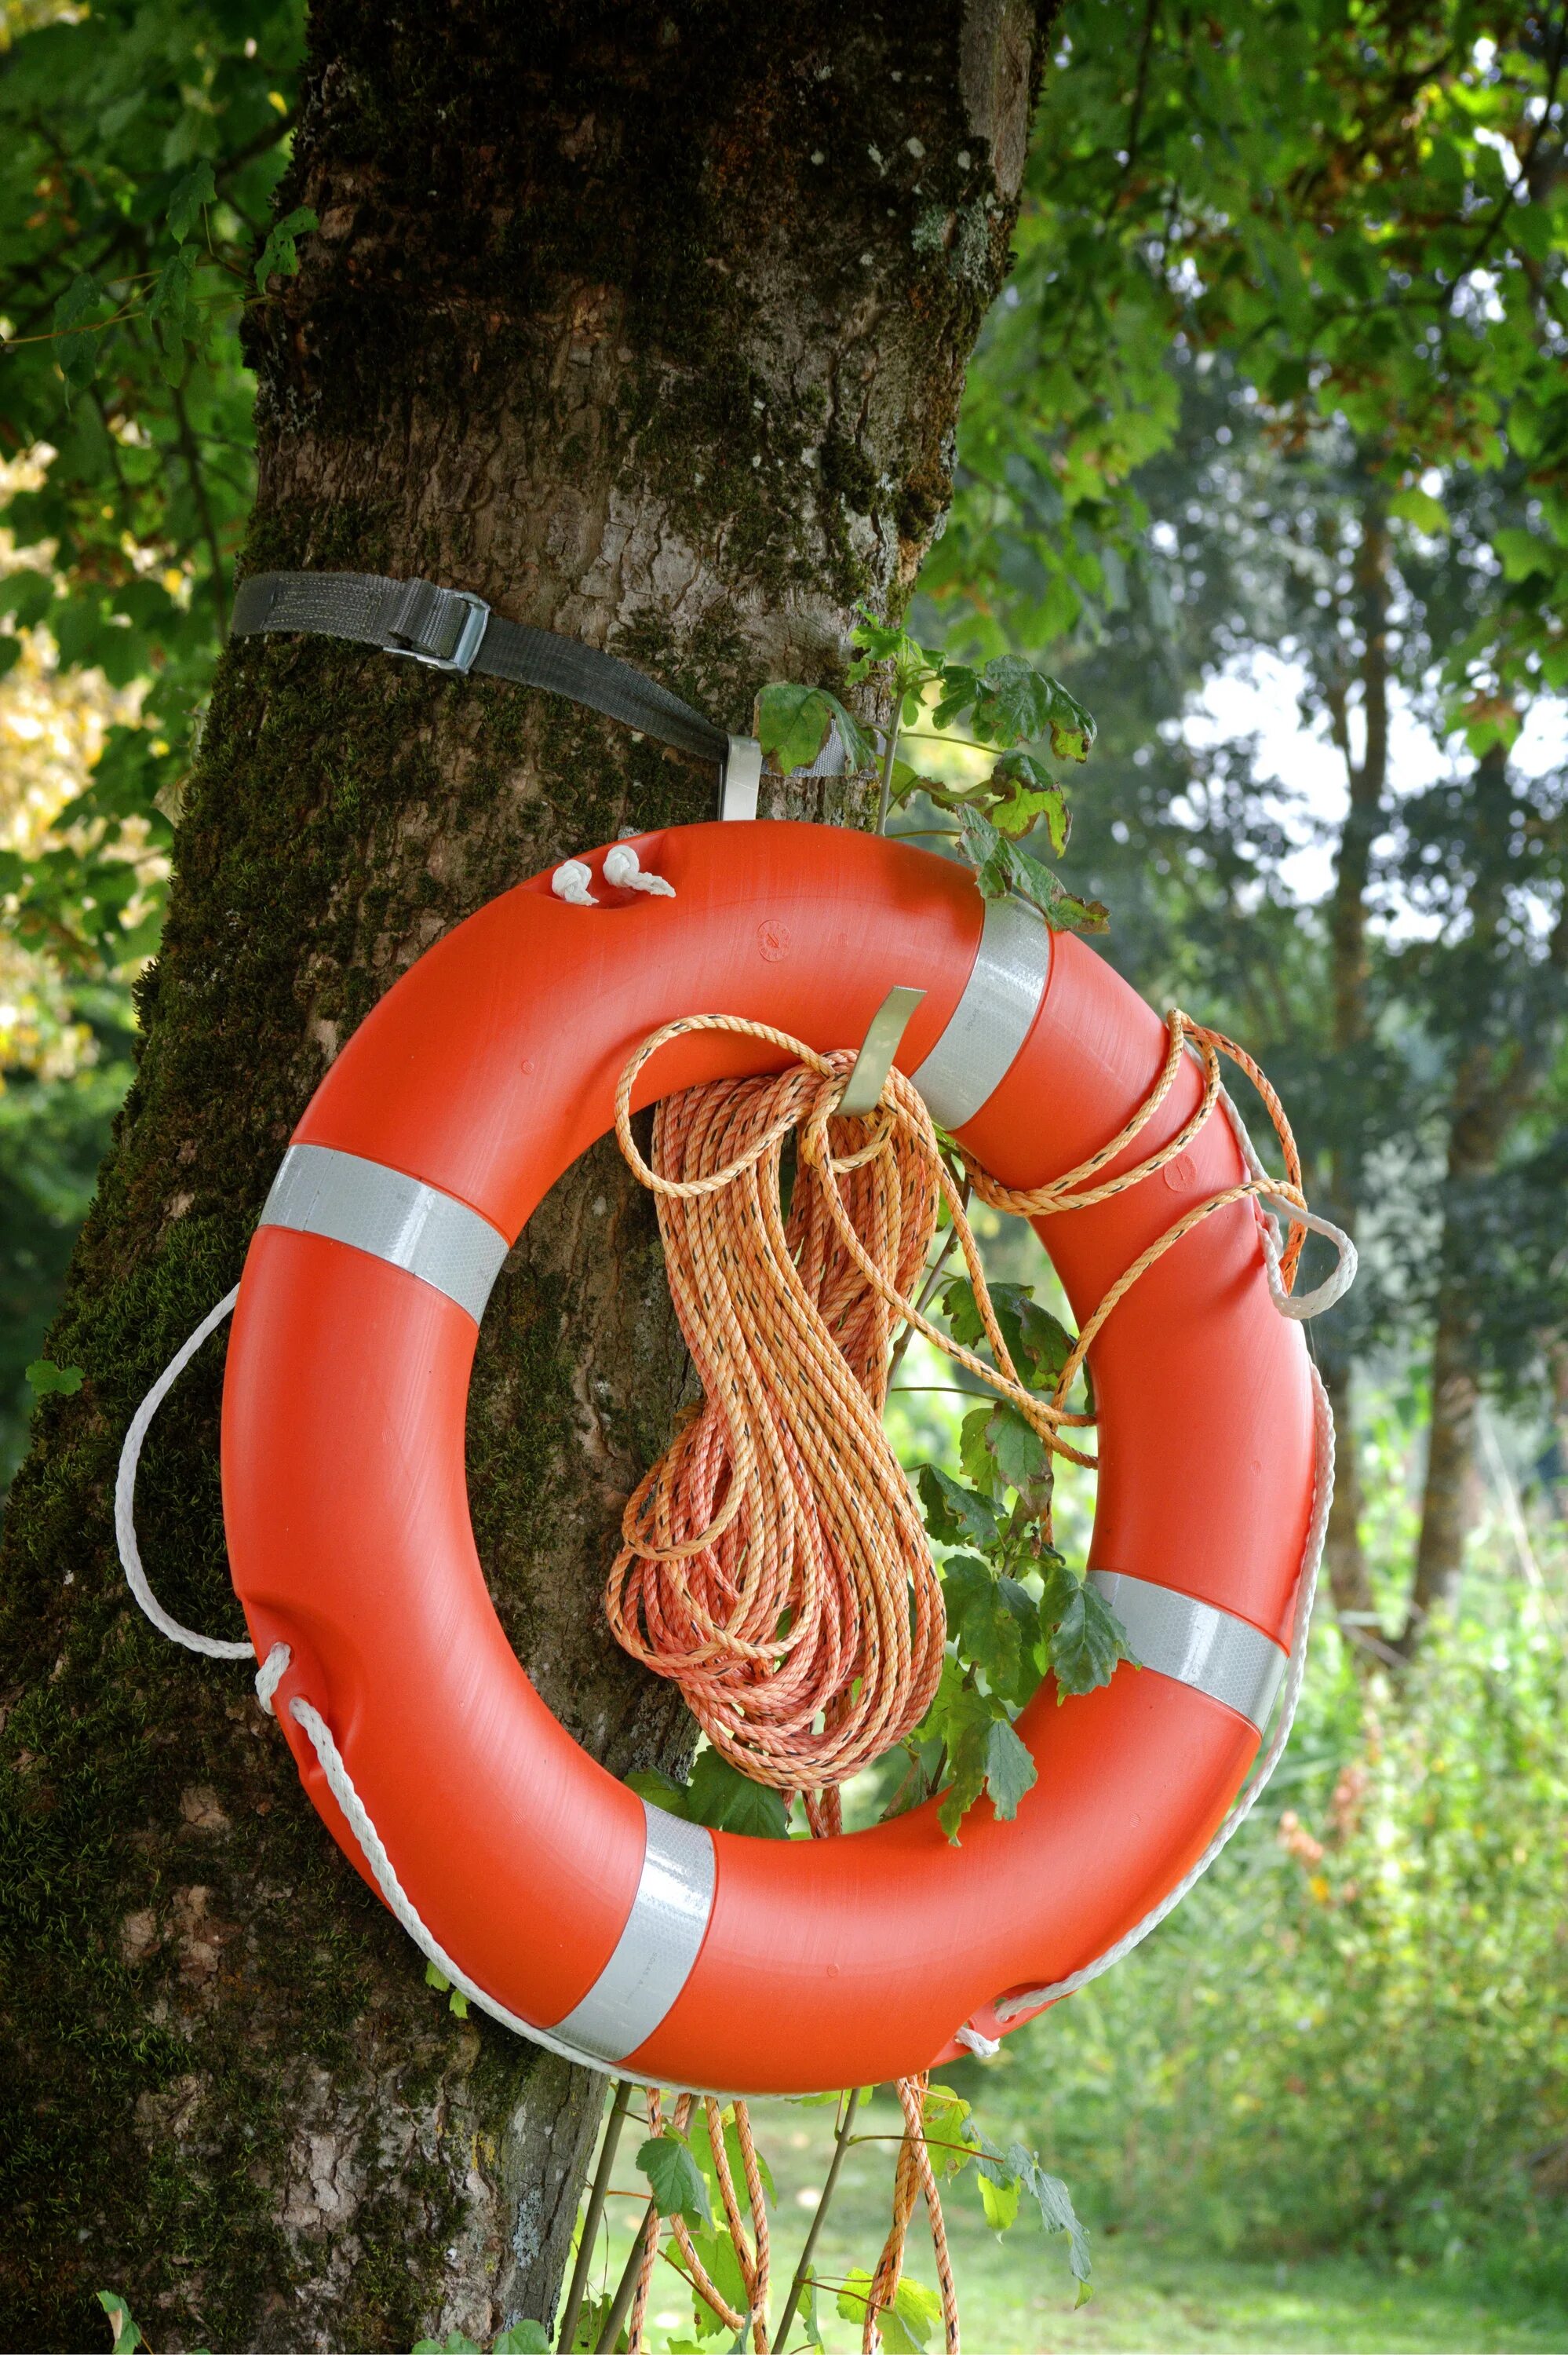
(883, 1037)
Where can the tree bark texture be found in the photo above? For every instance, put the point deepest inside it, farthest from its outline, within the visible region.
(649, 324)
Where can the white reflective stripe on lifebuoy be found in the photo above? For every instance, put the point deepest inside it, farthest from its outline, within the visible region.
(320, 1191)
(1217, 1654)
(657, 1950)
(993, 1017)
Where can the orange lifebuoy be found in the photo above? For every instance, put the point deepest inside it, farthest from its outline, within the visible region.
(614, 1933)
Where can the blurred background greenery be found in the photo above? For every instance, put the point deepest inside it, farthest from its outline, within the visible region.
(1265, 450)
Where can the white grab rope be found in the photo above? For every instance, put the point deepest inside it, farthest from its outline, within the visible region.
(340, 1783)
(216, 1648)
(1299, 1307)
(1294, 1677)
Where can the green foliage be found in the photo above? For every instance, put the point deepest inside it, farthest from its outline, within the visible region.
(1016, 1610)
(44, 1376)
(126, 2335)
(676, 2182)
(793, 724)
(457, 2002)
(1365, 211)
(1001, 867)
(716, 1794)
(907, 2325)
(139, 148)
(1354, 2033)
(1007, 702)
(53, 1132)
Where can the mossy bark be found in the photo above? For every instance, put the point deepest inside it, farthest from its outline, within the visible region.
(650, 326)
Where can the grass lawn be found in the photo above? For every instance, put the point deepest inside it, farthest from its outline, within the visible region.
(1015, 2293)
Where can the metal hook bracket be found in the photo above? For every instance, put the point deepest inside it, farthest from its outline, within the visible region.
(884, 1036)
(742, 778)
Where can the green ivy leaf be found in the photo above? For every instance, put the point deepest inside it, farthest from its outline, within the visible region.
(718, 1794)
(1086, 1644)
(955, 1515)
(908, 781)
(1021, 1455)
(725, 1799)
(906, 2326)
(127, 2338)
(944, 2116)
(1002, 868)
(1523, 554)
(455, 2342)
(168, 308)
(975, 1461)
(1034, 798)
(1020, 2168)
(1059, 1586)
(969, 1719)
(1000, 2201)
(281, 254)
(1039, 1344)
(43, 1376)
(793, 721)
(1013, 700)
(588, 2338)
(660, 1791)
(1058, 2214)
(675, 2179)
(1009, 1771)
(78, 355)
(195, 192)
(525, 2338)
(993, 1621)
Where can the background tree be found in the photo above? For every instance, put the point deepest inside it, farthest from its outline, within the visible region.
(651, 330)
(1356, 216)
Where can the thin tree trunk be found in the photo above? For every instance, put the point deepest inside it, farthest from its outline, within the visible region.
(1447, 1503)
(1342, 1549)
(1350, 970)
(649, 326)
(1499, 1076)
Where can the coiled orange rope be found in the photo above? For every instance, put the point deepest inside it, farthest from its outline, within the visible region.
(774, 1564)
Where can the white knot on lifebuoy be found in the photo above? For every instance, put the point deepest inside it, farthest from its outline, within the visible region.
(622, 870)
(570, 882)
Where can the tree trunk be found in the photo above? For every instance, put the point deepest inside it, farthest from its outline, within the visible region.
(1500, 1074)
(1342, 1549)
(1349, 973)
(649, 326)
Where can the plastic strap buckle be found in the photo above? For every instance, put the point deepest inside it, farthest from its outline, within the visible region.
(442, 628)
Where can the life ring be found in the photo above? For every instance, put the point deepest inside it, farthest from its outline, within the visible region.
(604, 1927)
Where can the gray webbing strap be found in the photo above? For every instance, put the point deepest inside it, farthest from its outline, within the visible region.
(448, 629)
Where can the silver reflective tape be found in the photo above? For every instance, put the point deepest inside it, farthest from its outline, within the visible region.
(320, 1191)
(657, 1949)
(993, 1018)
(1228, 1658)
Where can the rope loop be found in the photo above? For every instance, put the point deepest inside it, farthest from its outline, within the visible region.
(774, 1564)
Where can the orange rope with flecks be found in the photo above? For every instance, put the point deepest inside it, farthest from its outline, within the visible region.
(772, 1555)
(753, 2258)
